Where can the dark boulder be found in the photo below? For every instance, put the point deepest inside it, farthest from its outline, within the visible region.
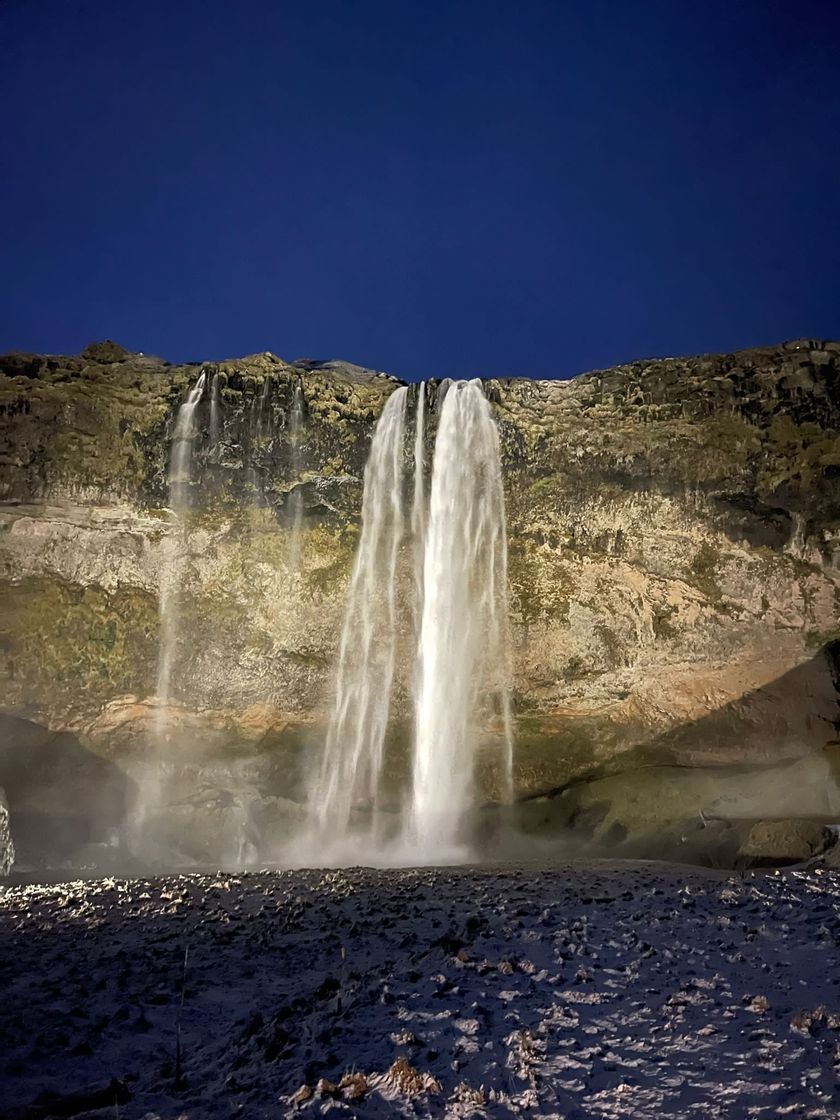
(779, 842)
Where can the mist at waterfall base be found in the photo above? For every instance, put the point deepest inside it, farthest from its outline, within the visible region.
(428, 587)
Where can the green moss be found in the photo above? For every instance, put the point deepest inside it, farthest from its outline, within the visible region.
(639, 799)
(704, 571)
(796, 455)
(335, 549)
(662, 615)
(554, 753)
(69, 647)
(611, 643)
(100, 429)
(772, 565)
(544, 488)
(539, 583)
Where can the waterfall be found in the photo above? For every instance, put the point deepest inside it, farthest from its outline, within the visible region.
(180, 480)
(180, 464)
(174, 547)
(296, 421)
(259, 409)
(215, 415)
(418, 507)
(352, 760)
(461, 674)
(463, 655)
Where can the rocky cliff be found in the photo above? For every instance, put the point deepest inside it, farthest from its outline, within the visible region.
(674, 550)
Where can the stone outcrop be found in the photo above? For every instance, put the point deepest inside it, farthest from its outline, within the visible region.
(674, 554)
(786, 841)
(7, 848)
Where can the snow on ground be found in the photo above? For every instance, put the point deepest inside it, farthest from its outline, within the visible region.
(617, 991)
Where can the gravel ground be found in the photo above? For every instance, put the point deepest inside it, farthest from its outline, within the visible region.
(585, 991)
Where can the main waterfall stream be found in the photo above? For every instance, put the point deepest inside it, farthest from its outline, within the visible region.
(463, 654)
(460, 672)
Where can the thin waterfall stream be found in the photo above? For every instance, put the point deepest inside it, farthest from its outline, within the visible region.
(215, 415)
(418, 508)
(173, 559)
(180, 479)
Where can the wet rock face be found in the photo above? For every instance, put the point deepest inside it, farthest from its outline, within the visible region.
(7, 848)
(674, 552)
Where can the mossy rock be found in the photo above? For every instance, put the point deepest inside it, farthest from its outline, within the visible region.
(785, 841)
(74, 648)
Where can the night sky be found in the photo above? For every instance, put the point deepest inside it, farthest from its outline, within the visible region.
(427, 188)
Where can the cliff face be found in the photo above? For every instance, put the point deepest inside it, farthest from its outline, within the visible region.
(674, 551)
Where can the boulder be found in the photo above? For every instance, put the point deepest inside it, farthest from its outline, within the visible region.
(7, 849)
(785, 841)
(831, 859)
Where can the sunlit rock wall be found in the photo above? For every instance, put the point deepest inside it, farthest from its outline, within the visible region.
(674, 542)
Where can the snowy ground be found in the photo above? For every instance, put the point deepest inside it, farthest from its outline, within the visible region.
(588, 991)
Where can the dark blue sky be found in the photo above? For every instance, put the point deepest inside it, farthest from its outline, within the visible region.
(428, 188)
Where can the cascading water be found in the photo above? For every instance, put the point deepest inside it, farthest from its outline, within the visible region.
(258, 432)
(258, 423)
(215, 415)
(454, 583)
(352, 760)
(173, 558)
(463, 634)
(461, 676)
(180, 479)
(418, 507)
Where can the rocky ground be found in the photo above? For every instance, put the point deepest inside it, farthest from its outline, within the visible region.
(611, 990)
